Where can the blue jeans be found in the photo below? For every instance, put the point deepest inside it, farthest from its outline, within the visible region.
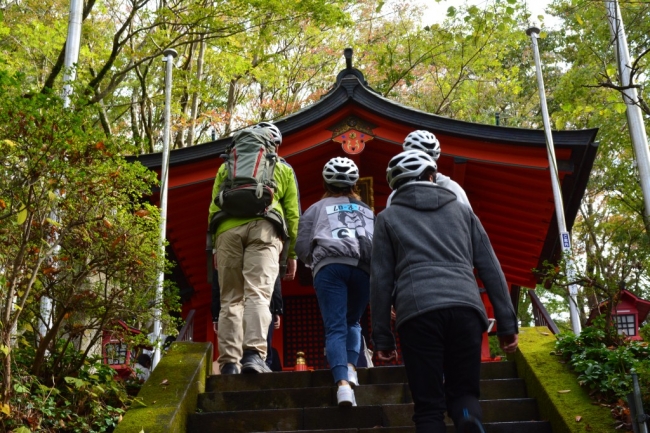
(343, 292)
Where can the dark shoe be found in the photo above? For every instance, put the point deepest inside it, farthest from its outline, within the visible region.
(230, 368)
(469, 424)
(253, 363)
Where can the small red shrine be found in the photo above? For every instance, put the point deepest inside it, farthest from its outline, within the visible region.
(115, 351)
(504, 171)
(628, 315)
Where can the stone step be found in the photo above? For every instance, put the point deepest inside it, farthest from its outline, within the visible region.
(390, 393)
(491, 427)
(319, 378)
(333, 418)
(505, 410)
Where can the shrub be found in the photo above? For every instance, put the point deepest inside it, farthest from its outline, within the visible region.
(644, 332)
(89, 401)
(606, 369)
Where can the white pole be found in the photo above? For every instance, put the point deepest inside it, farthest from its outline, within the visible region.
(169, 54)
(565, 236)
(69, 75)
(630, 96)
(72, 48)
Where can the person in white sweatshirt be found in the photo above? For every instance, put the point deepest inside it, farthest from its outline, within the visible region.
(428, 143)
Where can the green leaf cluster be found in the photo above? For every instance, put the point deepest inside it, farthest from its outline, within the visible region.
(90, 401)
(603, 361)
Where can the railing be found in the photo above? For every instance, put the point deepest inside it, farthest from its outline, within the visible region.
(187, 331)
(635, 403)
(542, 318)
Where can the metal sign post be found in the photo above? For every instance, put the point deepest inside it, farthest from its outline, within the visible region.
(565, 236)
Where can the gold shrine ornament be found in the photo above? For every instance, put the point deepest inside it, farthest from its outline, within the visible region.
(301, 364)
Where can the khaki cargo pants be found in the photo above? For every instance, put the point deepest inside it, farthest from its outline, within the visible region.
(248, 265)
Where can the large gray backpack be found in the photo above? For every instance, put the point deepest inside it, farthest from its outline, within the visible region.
(249, 187)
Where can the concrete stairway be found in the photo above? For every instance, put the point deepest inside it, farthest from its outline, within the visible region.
(306, 402)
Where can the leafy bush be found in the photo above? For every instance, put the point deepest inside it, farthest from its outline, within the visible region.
(606, 369)
(75, 228)
(644, 331)
(89, 401)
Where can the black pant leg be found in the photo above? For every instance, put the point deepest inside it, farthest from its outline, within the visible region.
(269, 342)
(462, 363)
(422, 343)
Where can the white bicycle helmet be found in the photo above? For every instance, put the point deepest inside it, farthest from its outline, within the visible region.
(340, 172)
(408, 166)
(274, 130)
(424, 141)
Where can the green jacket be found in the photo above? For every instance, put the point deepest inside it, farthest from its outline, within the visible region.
(286, 194)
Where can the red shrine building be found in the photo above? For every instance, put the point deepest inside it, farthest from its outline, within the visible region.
(504, 171)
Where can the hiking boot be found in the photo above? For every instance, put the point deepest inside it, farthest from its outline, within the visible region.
(345, 396)
(252, 362)
(230, 368)
(353, 378)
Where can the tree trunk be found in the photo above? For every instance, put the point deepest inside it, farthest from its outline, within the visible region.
(230, 105)
(195, 96)
(147, 121)
(103, 118)
(145, 111)
(135, 123)
(5, 385)
(44, 343)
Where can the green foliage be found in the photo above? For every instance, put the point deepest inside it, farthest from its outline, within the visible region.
(602, 367)
(495, 350)
(75, 227)
(89, 401)
(644, 331)
(610, 236)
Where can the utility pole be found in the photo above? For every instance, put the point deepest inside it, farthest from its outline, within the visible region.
(631, 98)
(169, 54)
(565, 236)
(72, 49)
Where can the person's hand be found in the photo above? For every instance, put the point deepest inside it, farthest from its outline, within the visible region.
(214, 260)
(276, 321)
(393, 314)
(215, 326)
(508, 343)
(387, 355)
(291, 270)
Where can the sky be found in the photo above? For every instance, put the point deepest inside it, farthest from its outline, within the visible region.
(436, 11)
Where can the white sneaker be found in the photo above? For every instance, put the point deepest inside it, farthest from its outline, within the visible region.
(353, 378)
(345, 396)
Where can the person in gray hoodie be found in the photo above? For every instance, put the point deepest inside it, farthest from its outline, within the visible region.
(335, 241)
(425, 249)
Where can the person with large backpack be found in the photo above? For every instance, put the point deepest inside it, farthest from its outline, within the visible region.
(335, 241)
(253, 225)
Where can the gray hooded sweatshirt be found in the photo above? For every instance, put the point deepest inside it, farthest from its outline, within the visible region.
(425, 249)
(336, 230)
(445, 182)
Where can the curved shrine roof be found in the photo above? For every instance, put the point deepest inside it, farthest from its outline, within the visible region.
(504, 171)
